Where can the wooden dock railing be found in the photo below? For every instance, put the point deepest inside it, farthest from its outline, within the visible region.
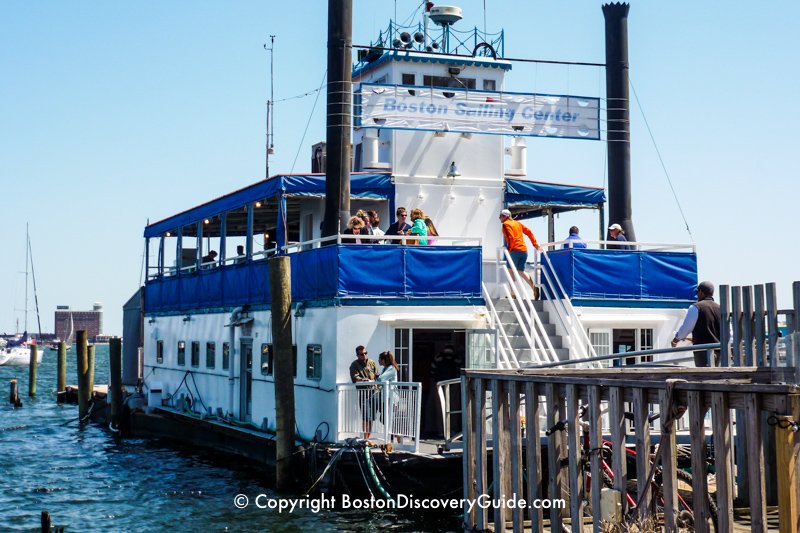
(521, 462)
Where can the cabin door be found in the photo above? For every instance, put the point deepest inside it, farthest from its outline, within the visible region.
(246, 381)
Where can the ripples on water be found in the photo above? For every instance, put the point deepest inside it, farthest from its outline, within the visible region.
(89, 481)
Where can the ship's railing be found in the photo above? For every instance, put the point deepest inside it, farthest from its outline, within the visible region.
(300, 246)
(506, 358)
(580, 346)
(634, 246)
(383, 412)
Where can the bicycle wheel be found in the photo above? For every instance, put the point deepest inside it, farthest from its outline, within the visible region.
(685, 516)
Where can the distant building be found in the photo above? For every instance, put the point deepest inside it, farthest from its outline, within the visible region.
(91, 321)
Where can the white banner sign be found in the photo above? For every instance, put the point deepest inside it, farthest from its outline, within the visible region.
(461, 110)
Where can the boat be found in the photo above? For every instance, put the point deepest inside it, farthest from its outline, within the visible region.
(429, 131)
(17, 351)
(68, 341)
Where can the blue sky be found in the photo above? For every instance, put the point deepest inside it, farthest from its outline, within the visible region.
(113, 113)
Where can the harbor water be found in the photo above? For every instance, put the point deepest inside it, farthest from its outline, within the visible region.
(88, 480)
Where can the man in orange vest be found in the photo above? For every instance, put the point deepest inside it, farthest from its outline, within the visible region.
(512, 233)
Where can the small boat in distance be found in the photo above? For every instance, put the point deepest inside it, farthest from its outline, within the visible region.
(17, 351)
(70, 337)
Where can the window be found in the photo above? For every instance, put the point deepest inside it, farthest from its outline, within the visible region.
(211, 355)
(268, 358)
(181, 353)
(646, 343)
(226, 355)
(402, 345)
(314, 361)
(600, 340)
(195, 353)
(489, 85)
(448, 82)
(159, 352)
(409, 79)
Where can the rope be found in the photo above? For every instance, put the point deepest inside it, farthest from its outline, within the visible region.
(674, 412)
(313, 108)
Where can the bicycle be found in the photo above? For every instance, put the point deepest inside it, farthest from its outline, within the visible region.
(685, 514)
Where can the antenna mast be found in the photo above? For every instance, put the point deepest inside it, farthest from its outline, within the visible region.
(270, 148)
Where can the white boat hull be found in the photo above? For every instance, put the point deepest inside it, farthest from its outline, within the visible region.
(19, 356)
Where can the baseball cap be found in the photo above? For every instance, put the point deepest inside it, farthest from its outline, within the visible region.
(505, 212)
(615, 226)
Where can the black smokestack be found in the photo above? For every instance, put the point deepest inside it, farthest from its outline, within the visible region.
(618, 117)
(338, 121)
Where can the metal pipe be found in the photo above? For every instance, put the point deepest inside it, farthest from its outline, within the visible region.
(618, 117)
(339, 118)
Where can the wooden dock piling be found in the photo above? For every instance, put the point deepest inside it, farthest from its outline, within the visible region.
(90, 369)
(115, 378)
(13, 397)
(32, 370)
(280, 288)
(61, 383)
(84, 391)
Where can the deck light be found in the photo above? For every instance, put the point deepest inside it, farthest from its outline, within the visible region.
(420, 194)
(258, 204)
(168, 234)
(453, 172)
(206, 221)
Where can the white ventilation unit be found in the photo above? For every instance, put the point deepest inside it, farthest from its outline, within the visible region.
(519, 157)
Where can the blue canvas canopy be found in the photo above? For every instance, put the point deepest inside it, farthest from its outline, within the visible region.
(362, 186)
(530, 199)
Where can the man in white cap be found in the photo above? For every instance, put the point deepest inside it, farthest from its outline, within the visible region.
(512, 233)
(703, 322)
(616, 233)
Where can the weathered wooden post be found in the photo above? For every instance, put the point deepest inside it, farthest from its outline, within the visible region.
(61, 384)
(786, 450)
(90, 370)
(281, 293)
(81, 345)
(13, 397)
(115, 378)
(46, 524)
(33, 367)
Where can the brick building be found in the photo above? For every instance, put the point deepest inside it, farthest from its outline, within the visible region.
(91, 321)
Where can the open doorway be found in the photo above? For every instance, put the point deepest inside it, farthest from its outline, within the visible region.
(437, 355)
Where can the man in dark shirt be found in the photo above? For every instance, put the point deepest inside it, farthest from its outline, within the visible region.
(400, 227)
(364, 369)
(703, 322)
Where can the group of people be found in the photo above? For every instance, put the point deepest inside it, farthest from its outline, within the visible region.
(368, 223)
(363, 370)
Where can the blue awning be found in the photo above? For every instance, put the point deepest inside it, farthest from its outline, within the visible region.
(362, 186)
(532, 196)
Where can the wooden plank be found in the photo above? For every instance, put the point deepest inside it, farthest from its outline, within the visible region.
(574, 451)
(787, 449)
(515, 433)
(747, 325)
(755, 463)
(595, 444)
(481, 488)
(533, 454)
(736, 326)
(697, 429)
(724, 332)
(759, 326)
(772, 325)
(669, 465)
(641, 413)
(721, 427)
(468, 460)
(616, 421)
(500, 451)
(553, 456)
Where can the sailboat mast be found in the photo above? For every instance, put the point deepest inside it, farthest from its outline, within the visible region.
(27, 257)
(35, 294)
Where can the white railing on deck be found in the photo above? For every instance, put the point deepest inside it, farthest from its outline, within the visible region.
(636, 246)
(388, 412)
(506, 358)
(580, 345)
(542, 350)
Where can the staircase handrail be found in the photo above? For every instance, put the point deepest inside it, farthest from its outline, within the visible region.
(539, 340)
(504, 346)
(565, 311)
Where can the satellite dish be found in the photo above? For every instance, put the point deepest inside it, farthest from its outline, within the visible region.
(445, 15)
